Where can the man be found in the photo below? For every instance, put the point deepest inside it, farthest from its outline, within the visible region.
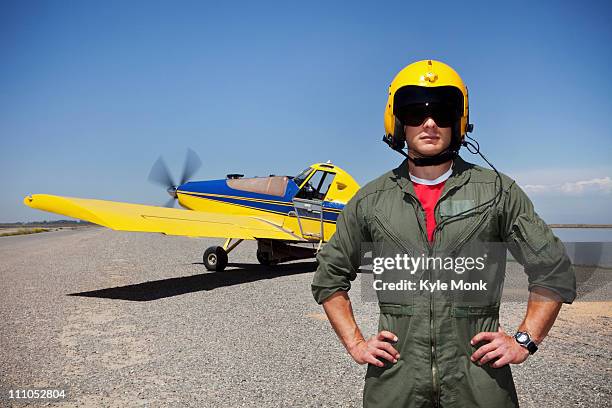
(435, 348)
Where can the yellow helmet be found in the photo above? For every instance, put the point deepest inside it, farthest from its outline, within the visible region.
(424, 82)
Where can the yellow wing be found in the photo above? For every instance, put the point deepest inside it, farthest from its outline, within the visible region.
(170, 221)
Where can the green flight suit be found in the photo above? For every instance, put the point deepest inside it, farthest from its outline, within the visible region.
(435, 328)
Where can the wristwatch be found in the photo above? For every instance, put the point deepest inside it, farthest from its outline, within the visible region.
(524, 340)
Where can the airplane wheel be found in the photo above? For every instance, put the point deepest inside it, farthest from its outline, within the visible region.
(264, 258)
(215, 258)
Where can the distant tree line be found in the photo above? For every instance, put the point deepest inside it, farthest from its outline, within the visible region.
(56, 223)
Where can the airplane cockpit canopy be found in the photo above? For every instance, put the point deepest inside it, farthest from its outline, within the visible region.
(274, 185)
(299, 179)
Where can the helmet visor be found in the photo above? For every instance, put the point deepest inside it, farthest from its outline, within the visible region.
(414, 115)
(413, 104)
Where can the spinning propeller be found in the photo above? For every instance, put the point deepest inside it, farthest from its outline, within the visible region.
(161, 175)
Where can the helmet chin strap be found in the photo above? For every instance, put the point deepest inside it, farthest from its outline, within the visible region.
(443, 157)
(433, 160)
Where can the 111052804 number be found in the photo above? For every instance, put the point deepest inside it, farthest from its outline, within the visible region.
(36, 394)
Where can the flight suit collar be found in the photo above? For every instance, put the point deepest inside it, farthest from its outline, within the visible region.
(459, 177)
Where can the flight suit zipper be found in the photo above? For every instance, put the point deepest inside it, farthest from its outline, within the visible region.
(435, 383)
(432, 320)
(430, 247)
(432, 339)
(434, 365)
(398, 241)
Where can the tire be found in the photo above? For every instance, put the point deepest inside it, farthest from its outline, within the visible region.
(215, 258)
(263, 258)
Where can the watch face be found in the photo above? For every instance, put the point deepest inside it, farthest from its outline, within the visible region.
(522, 337)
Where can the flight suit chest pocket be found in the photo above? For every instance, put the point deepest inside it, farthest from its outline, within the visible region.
(394, 273)
(463, 221)
(451, 208)
(401, 236)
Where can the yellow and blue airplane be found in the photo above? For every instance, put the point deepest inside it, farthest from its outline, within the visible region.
(277, 211)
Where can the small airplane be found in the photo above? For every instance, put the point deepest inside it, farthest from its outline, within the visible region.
(280, 212)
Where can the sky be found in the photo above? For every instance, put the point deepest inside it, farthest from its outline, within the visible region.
(93, 92)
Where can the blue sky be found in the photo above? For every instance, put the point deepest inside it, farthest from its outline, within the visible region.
(91, 93)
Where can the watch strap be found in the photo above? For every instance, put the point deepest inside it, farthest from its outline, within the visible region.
(531, 347)
(528, 343)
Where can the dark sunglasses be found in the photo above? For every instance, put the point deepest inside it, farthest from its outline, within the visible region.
(444, 115)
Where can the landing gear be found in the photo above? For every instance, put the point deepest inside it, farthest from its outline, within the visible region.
(269, 252)
(264, 258)
(272, 252)
(215, 258)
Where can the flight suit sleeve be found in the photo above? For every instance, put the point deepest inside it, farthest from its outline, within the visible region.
(340, 258)
(532, 243)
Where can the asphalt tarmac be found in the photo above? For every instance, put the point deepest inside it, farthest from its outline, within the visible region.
(127, 319)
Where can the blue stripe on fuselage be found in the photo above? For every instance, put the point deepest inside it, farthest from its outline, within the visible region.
(213, 189)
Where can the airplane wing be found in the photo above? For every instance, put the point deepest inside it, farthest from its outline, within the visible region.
(170, 221)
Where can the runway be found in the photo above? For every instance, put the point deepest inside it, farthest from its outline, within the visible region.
(128, 319)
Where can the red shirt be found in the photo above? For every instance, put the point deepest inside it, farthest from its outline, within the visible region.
(428, 195)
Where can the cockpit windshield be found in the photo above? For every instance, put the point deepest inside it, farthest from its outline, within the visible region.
(299, 179)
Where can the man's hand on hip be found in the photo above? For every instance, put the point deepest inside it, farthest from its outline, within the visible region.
(368, 351)
(501, 347)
